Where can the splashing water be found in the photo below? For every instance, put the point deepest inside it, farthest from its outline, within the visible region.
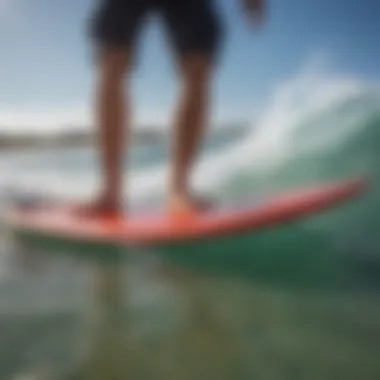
(313, 124)
(271, 144)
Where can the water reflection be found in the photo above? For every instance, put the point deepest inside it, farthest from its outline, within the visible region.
(148, 321)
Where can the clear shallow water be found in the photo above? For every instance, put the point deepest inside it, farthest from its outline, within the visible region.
(245, 326)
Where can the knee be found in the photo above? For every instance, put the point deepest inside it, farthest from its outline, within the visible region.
(196, 73)
(114, 66)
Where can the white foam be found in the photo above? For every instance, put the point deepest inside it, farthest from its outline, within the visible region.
(272, 141)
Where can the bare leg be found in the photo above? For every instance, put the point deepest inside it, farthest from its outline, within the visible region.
(112, 108)
(189, 128)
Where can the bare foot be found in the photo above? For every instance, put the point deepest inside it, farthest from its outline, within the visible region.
(188, 204)
(103, 206)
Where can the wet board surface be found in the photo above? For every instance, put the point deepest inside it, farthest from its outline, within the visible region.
(150, 228)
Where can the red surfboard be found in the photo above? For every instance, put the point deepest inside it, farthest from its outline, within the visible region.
(151, 229)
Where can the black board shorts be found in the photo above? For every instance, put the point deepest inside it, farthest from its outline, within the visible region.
(191, 25)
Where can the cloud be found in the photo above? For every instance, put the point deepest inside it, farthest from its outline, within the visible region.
(16, 120)
(48, 119)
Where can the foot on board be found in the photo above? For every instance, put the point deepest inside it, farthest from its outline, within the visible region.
(103, 206)
(190, 204)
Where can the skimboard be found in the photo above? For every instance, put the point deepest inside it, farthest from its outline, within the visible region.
(153, 229)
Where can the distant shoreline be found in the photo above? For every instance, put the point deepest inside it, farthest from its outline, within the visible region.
(81, 139)
(67, 139)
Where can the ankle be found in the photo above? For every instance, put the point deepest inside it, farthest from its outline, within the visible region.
(178, 194)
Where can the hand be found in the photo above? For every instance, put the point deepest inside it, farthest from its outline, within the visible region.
(254, 11)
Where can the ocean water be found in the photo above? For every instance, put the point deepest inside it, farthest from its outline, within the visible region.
(241, 317)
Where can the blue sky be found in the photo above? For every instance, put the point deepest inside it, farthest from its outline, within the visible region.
(46, 68)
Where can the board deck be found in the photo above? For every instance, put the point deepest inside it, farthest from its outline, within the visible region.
(155, 228)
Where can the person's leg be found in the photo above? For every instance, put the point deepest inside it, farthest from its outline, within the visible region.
(111, 107)
(195, 32)
(114, 30)
(189, 127)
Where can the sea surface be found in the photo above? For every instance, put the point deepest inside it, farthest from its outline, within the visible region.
(250, 313)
